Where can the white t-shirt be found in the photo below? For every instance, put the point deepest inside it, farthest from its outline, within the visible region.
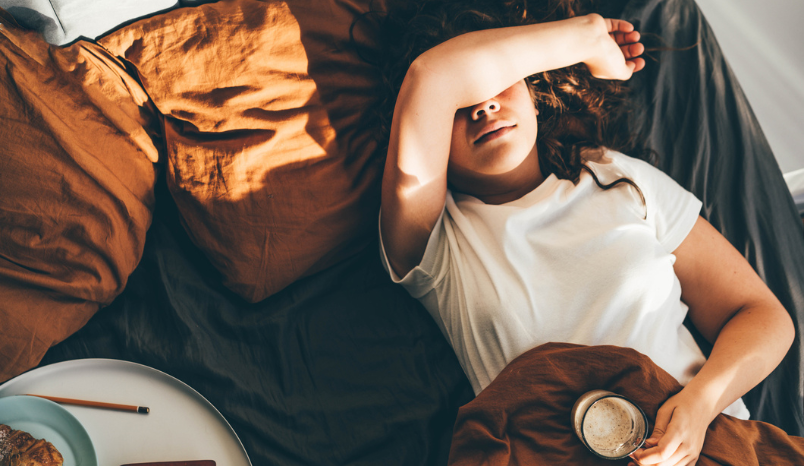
(565, 263)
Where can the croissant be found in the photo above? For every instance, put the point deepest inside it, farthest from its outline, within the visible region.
(18, 448)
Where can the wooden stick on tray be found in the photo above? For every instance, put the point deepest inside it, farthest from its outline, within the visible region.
(96, 404)
(176, 463)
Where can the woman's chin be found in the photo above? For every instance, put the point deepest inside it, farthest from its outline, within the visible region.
(506, 164)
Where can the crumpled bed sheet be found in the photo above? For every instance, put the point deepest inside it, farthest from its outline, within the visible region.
(343, 367)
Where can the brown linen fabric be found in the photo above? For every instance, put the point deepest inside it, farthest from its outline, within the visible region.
(523, 416)
(273, 176)
(77, 173)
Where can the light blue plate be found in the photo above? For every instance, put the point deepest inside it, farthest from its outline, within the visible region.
(45, 419)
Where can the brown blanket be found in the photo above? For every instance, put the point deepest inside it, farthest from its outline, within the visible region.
(523, 417)
(77, 150)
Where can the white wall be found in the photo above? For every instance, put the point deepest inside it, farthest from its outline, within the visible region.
(763, 41)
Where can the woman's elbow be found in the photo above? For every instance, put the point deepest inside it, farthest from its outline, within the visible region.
(784, 333)
(789, 329)
(428, 71)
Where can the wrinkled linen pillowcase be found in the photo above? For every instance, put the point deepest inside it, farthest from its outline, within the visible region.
(267, 161)
(76, 188)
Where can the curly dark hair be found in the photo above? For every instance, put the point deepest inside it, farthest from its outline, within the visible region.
(576, 110)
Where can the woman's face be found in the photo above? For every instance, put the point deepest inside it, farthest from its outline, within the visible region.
(493, 137)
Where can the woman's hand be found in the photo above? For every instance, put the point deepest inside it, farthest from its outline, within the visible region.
(619, 50)
(679, 433)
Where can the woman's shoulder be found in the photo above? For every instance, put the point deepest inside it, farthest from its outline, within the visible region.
(611, 160)
(604, 155)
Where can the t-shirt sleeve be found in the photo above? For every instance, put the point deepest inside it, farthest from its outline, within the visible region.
(671, 209)
(423, 278)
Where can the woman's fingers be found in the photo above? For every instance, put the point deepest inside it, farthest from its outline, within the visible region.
(666, 453)
(619, 25)
(626, 38)
(639, 63)
(679, 458)
(657, 445)
(632, 50)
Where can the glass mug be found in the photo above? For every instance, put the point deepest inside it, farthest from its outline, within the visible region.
(610, 425)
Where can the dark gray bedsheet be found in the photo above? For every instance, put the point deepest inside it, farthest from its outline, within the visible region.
(345, 368)
(339, 368)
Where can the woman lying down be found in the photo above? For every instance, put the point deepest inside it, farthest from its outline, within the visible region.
(514, 209)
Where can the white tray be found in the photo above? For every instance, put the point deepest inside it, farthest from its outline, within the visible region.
(182, 424)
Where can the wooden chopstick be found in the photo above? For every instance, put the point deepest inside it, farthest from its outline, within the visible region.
(96, 404)
(176, 463)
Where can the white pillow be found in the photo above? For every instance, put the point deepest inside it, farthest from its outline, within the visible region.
(795, 183)
(63, 21)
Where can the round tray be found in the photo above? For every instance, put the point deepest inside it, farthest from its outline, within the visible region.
(181, 426)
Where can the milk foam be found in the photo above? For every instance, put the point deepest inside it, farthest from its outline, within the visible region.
(609, 425)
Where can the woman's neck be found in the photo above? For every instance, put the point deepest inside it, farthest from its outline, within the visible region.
(506, 187)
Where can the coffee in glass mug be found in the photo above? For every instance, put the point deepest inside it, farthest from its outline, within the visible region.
(608, 424)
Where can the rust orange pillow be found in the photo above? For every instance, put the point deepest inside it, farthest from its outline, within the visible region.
(266, 159)
(76, 188)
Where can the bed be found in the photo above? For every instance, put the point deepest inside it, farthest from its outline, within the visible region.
(216, 219)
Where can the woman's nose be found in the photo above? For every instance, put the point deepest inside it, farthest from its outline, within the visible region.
(484, 109)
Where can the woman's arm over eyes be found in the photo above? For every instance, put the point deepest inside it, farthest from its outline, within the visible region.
(462, 72)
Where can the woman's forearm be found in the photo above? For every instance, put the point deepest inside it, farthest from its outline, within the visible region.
(469, 69)
(747, 349)
(489, 61)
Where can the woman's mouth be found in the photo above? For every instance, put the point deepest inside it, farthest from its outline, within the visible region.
(497, 133)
